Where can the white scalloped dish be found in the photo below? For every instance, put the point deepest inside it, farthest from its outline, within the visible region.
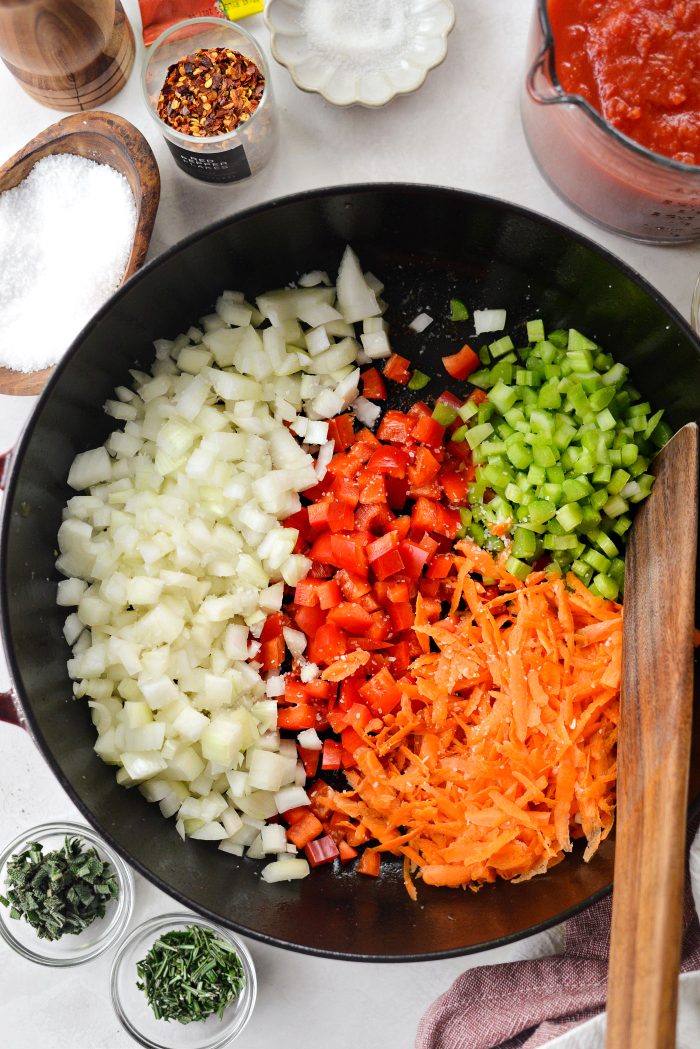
(359, 52)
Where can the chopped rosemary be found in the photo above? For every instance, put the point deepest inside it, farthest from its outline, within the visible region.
(60, 892)
(189, 974)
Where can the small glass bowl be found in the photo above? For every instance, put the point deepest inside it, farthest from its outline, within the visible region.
(217, 159)
(134, 1012)
(101, 934)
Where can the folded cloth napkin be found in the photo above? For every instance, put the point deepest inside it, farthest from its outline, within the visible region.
(525, 1004)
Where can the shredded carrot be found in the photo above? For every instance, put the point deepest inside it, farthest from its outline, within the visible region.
(346, 666)
(503, 750)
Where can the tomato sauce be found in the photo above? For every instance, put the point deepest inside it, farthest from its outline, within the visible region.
(638, 63)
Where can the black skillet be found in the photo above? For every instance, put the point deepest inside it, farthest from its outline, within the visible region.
(426, 244)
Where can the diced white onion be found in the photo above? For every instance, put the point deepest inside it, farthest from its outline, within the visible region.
(419, 323)
(489, 320)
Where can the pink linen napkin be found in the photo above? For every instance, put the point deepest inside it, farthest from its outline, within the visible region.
(523, 1005)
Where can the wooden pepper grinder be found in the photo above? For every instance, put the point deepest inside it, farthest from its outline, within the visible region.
(67, 54)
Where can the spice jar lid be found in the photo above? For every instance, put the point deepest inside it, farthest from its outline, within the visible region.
(102, 933)
(134, 1012)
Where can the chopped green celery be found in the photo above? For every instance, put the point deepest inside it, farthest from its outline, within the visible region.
(501, 346)
(575, 488)
(555, 475)
(622, 401)
(510, 358)
(481, 378)
(599, 498)
(606, 586)
(578, 399)
(629, 454)
(590, 382)
(524, 543)
(552, 371)
(569, 516)
(536, 475)
(638, 424)
(460, 434)
(518, 568)
(617, 569)
(644, 485)
(570, 457)
(484, 412)
(458, 311)
(602, 474)
(582, 570)
(518, 454)
(477, 532)
(514, 416)
(542, 422)
(616, 506)
(502, 397)
(551, 492)
(590, 520)
(616, 375)
(535, 331)
(615, 456)
(601, 398)
(585, 463)
(540, 511)
(502, 372)
(444, 414)
(605, 543)
(638, 466)
(504, 431)
(523, 377)
(618, 481)
(606, 419)
(559, 338)
(602, 362)
(477, 434)
(475, 492)
(499, 509)
(465, 515)
(513, 493)
(577, 341)
(468, 409)
(418, 381)
(488, 448)
(638, 409)
(621, 524)
(559, 542)
(484, 355)
(579, 360)
(661, 435)
(596, 560)
(495, 476)
(544, 455)
(528, 396)
(549, 397)
(461, 532)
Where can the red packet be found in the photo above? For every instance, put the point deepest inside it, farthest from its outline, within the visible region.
(158, 15)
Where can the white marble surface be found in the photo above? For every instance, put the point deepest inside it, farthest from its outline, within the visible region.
(461, 129)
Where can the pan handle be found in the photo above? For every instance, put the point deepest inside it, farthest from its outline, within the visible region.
(10, 710)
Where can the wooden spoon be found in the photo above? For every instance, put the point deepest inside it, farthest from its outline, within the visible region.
(107, 139)
(654, 755)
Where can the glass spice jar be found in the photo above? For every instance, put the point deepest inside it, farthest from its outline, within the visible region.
(219, 158)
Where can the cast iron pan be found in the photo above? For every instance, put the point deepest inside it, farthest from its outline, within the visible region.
(427, 244)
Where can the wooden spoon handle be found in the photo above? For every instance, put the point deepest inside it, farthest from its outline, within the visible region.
(654, 755)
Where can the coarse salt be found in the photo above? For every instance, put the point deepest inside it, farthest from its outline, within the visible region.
(65, 237)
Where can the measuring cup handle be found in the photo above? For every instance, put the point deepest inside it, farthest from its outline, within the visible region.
(539, 82)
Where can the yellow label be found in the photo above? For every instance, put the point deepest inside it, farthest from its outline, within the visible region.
(235, 9)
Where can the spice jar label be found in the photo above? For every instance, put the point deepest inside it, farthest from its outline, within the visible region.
(230, 165)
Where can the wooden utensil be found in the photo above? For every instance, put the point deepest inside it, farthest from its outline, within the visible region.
(654, 755)
(107, 139)
(67, 54)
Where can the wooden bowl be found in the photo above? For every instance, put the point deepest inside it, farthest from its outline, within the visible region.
(107, 139)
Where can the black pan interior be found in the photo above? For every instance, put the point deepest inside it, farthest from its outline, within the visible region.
(427, 245)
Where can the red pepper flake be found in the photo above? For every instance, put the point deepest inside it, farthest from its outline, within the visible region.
(210, 92)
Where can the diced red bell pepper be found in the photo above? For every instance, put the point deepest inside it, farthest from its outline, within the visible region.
(346, 490)
(318, 513)
(346, 851)
(349, 692)
(341, 431)
(272, 627)
(440, 566)
(454, 485)
(396, 492)
(358, 716)
(460, 365)
(369, 863)
(310, 760)
(398, 368)
(309, 619)
(294, 691)
(351, 617)
(388, 564)
(327, 644)
(321, 549)
(450, 399)
(401, 616)
(478, 396)
(366, 436)
(328, 593)
(381, 692)
(304, 830)
(401, 654)
(373, 489)
(330, 756)
(429, 516)
(425, 468)
(429, 431)
(395, 427)
(321, 850)
(398, 592)
(385, 543)
(351, 740)
(341, 516)
(393, 461)
(417, 409)
(302, 716)
(292, 816)
(348, 554)
(414, 558)
(353, 586)
(429, 544)
(402, 526)
(272, 653)
(306, 592)
(319, 689)
(373, 386)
